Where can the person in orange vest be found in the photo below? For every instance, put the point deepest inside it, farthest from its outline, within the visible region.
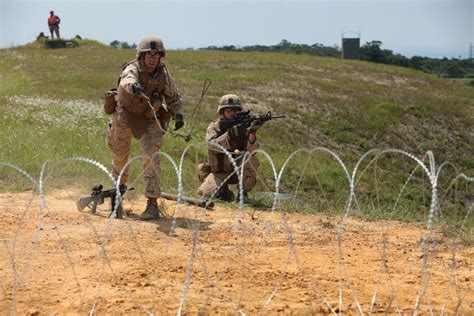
(53, 23)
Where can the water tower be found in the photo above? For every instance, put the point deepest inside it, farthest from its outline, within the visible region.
(350, 45)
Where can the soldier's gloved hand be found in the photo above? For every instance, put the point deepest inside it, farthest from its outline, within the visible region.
(179, 121)
(254, 126)
(137, 89)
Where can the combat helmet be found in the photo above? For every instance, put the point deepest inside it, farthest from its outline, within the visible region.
(229, 101)
(151, 43)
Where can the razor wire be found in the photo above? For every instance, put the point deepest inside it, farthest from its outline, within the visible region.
(431, 171)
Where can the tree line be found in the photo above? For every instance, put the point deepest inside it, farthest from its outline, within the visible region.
(371, 51)
(122, 45)
(450, 68)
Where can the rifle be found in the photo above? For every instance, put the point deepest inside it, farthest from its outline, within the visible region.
(198, 202)
(97, 197)
(244, 119)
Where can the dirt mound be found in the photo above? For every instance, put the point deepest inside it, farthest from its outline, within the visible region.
(63, 261)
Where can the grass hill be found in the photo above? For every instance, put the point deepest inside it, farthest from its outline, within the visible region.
(51, 105)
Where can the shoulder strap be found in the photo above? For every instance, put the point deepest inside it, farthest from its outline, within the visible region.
(125, 65)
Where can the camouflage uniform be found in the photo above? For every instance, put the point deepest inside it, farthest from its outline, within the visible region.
(134, 117)
(213, 173)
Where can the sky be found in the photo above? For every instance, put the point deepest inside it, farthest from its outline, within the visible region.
(433, 28)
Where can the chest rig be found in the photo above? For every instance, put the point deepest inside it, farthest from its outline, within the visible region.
(139, 110)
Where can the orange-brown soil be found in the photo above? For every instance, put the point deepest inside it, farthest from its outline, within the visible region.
(62, 261)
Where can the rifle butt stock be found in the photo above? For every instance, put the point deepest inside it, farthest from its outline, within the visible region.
(86, 201)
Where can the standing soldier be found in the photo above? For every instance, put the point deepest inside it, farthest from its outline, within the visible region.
(218, 173)
(146, 91)
(53, 24)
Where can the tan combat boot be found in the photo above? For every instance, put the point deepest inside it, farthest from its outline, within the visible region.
(151, 212)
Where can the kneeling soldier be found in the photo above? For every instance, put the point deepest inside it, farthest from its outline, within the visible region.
(219, 172)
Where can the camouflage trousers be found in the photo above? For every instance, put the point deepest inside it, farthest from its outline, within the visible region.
(54, 29)
(119, 139)
(213, 182)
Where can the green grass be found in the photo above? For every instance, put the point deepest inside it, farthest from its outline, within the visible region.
(346, 106)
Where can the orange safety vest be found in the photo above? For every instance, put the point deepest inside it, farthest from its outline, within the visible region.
(52, 20)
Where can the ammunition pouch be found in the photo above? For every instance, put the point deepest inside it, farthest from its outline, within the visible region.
(164, 117)
(110, 101)
(136, 105)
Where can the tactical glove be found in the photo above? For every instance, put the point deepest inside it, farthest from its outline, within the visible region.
(137, 89)
(179, 121)
(254, 126)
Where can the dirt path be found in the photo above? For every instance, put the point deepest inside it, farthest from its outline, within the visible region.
(69, 262)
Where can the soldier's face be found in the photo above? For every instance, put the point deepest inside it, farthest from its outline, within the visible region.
(230, 113)
(152, 59)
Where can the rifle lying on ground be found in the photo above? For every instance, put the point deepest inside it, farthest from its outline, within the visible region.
(245, 120)
(198, 202)
(98, 197)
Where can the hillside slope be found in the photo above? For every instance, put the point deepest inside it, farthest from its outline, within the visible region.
(349, 106)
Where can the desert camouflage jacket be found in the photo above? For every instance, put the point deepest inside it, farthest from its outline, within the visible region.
(160, 82)
(160, 88)
(217, 159)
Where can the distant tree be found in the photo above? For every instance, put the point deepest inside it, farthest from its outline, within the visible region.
(321, 50)
(229, 48)
(453, 70)
(124, 45)
(284, 46)
(284, 43)
(416, 62)
(399, 60)
(115, 44)
(134, 46)
(372, 51)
